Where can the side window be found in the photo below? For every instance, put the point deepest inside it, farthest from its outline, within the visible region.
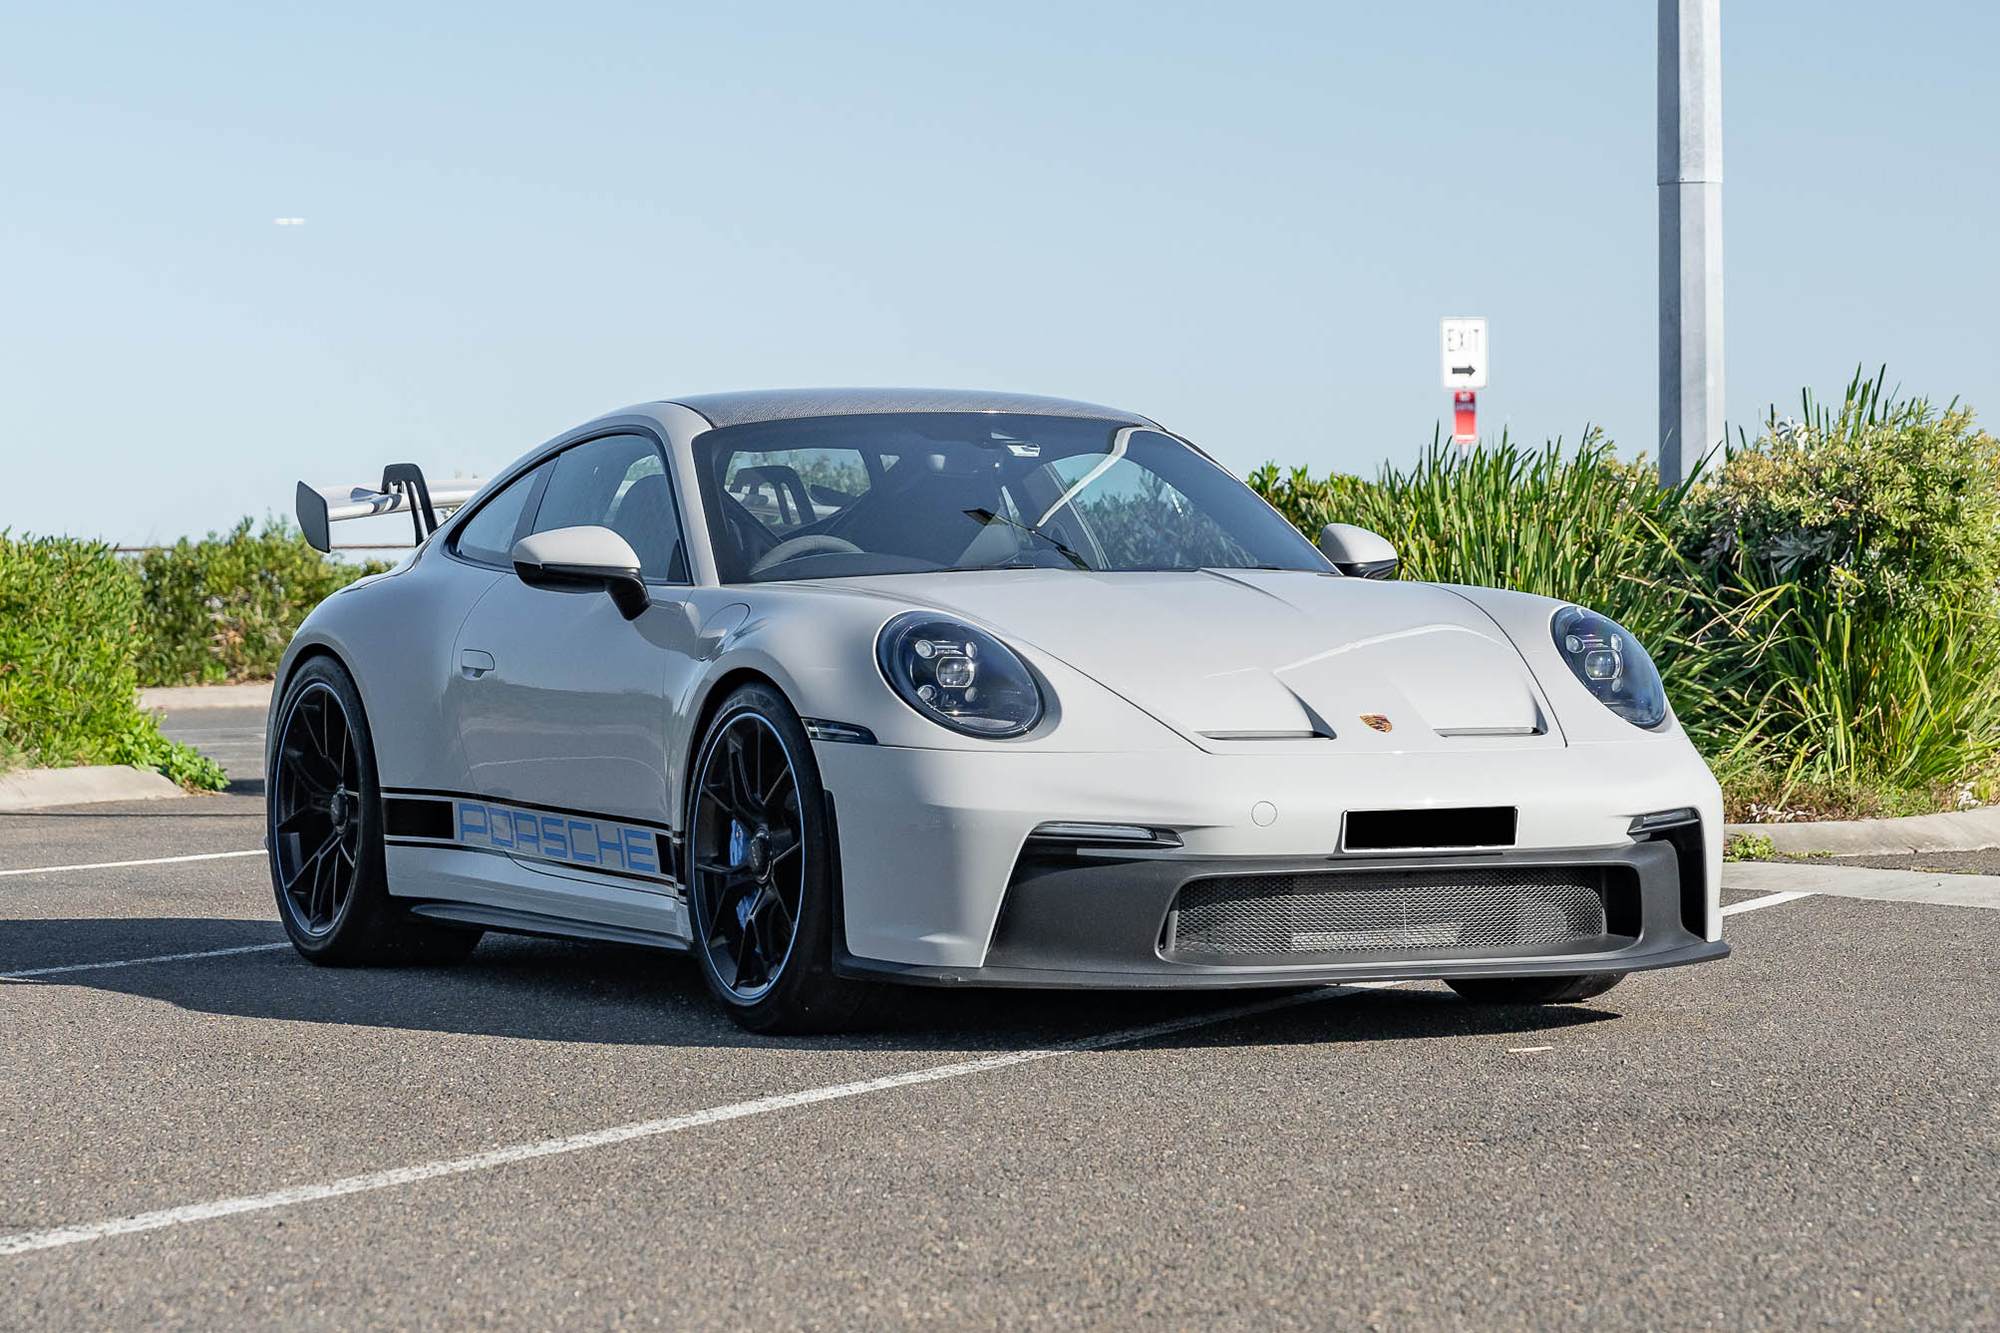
(488, 536)
(619, 482)
(789, 489)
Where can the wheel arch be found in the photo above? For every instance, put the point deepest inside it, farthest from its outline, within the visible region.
(296, 660)
(714, 694)
(306, 654)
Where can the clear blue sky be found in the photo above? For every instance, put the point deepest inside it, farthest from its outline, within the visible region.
(1244, 219)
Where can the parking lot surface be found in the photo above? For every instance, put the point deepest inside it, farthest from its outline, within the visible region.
(557, 1135)
(233, 737)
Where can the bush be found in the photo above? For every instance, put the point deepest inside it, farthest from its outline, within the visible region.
(1871, 535)
(1885, 504)
(223, 608)
(69, 619)
(1823, 603)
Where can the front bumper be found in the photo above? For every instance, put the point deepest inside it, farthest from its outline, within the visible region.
(934, 850)
(1093, 919)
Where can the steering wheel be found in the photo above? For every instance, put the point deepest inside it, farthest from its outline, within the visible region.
(815, 543)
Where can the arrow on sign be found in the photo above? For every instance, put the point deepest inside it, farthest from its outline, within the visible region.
(1461, 370)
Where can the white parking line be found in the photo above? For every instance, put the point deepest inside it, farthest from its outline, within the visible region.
(135, 962)
(53, 1237)
(1768, 900)
(119, 865)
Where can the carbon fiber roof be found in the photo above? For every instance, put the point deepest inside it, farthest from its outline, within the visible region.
(736, 409)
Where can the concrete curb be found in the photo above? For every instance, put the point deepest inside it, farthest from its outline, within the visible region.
(34, 788)
(1956, 831)
(179, 698)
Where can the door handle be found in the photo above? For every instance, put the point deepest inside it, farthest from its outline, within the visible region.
(472, 663)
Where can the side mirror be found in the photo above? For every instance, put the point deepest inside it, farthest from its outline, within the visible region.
(1357, 552)
(583, 559)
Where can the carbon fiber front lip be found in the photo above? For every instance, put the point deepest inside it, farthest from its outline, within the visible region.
(1166, 976)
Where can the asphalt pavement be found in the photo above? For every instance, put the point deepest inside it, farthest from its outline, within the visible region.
(557, 1135)
(233, 737)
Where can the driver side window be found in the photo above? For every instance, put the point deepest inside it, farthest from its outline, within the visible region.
(619, 482)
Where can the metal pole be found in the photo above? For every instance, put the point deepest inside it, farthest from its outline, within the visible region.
(1690, 172)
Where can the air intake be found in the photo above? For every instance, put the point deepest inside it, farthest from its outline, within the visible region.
(1428, 911)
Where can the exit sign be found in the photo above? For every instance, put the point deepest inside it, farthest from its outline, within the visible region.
(1463, 341)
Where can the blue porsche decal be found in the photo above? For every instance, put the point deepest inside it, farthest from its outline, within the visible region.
(578, 840)
(564, 837)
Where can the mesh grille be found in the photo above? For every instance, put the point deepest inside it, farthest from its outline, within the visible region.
(1431, 910)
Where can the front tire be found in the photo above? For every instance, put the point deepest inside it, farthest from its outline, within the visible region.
(323, 819)
(1534, 990)
(760, 873)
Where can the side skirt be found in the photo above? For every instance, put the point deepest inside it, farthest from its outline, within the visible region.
(549, 927)
(492, 882)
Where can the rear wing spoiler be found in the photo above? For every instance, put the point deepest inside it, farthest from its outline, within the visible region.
(403, 491)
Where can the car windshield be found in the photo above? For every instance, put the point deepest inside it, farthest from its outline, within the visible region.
(834, 497)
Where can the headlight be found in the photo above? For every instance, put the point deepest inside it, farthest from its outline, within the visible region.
(958, 676)
(1611, 664)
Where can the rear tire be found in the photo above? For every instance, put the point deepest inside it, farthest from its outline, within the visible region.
(323, 825)
(1534, 990)
(760, 874)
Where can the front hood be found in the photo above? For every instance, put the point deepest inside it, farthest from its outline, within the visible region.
(1252, 655)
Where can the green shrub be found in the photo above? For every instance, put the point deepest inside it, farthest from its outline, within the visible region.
(1748, 847)
(69, 618)
(1871, 536)
(1885, 503)
(223, 608)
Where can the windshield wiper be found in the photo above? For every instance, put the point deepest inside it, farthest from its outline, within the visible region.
(986, 517)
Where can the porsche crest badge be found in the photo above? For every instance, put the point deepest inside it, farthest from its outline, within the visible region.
(1377, 721)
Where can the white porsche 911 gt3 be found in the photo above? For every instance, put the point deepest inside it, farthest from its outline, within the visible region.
(842, 688)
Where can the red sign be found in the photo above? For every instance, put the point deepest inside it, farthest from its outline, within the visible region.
(1464, 412)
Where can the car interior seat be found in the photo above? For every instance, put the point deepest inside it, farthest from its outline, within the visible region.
(644, 517)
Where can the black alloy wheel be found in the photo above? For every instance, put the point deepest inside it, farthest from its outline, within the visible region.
(749, 863)
(323, 812)
(760, 874)
(316, 810)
